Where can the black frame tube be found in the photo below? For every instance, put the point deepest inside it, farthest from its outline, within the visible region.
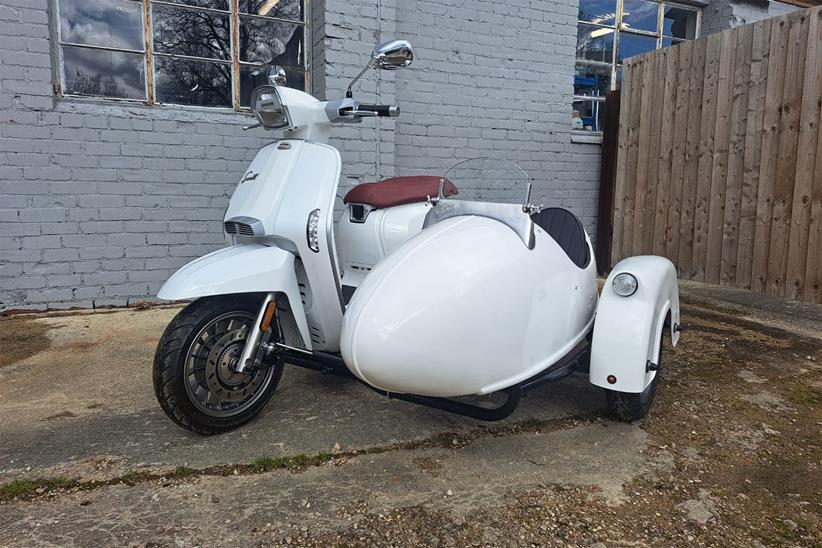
(576, 359)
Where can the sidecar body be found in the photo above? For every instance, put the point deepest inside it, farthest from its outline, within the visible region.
(466, 307)
(488, 298)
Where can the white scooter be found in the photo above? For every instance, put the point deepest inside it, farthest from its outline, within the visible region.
(431, 298)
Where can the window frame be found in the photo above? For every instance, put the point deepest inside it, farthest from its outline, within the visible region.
(619, 28)
(149, 55)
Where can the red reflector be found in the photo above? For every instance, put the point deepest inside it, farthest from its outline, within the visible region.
(611, 379)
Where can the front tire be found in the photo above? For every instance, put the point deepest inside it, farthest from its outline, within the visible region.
(630, 407)
(193, 377)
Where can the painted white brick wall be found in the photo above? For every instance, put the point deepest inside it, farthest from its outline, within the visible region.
(100, 203)
(495, 80)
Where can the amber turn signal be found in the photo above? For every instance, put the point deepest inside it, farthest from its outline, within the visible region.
(270, 309)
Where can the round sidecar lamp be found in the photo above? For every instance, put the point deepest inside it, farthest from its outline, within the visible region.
(312, 231)
(625, 284)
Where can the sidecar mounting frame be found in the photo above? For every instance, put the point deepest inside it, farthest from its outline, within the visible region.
(326, 363)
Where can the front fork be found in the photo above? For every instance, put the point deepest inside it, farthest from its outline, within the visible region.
(265, 316)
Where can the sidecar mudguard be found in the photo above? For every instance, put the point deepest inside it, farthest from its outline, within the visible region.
(245, 268)
(627, 330)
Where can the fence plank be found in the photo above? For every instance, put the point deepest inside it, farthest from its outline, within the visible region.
(653, 182)
(736, 154)
(706, 154)
(719, 167)
(645, 125)
(623, 151)
(798, 252)
(664, 182)
(689, 184)
(633, 160)
(813, 271)
(680, 131)
(786, 161)
(769, 152)
(760, 53)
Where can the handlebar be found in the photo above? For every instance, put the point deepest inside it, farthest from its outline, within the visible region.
(383, 111)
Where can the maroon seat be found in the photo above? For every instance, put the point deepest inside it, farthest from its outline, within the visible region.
(398, 190)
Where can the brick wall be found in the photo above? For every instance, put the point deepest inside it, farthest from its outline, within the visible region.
(494, 80)
(100, 203)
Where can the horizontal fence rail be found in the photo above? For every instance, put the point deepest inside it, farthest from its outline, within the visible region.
(719, 161)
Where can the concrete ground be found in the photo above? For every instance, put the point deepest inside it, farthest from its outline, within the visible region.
(730, 454)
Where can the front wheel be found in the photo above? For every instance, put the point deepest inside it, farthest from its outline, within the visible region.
(630, 407)
(194, 380)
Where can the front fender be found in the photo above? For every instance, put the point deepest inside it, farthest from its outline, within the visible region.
(627, 330)
(246, 268)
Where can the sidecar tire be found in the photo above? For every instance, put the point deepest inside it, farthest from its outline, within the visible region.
(169, 366)
(630, 407)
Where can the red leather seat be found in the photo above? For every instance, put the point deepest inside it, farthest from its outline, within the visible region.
(398, 190)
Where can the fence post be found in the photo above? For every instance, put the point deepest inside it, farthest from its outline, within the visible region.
(607, 180)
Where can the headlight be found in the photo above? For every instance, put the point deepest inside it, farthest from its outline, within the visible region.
(269, 108)
(312, 231)
(625, 284)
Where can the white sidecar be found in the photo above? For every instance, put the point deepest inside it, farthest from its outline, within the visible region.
(494, 297)
(465, 307)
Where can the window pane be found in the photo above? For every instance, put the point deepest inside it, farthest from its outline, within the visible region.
(109, 23)
(213, 4)
(270, 41)
(640, 15)
(285, 9)
(679, 23)
(104, 73)
(191, 32)
(184, 82)
(634, 44)
(251, 77)
(595, 43)
(587, 115)
(602, 12)
(592, 79)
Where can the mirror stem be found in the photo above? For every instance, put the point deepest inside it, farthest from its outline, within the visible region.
(348, 93)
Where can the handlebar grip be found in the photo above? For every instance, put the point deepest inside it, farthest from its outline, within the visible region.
(385, 111)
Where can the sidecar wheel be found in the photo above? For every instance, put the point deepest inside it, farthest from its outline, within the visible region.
(629, 407)
(192, 377)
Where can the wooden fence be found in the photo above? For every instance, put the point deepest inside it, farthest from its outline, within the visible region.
(719, 157)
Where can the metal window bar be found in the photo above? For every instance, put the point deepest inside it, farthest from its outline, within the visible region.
(149, 54)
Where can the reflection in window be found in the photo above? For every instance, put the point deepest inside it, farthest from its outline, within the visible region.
(103, 48)
(640, 15)
(604, 42)
(185, 82)
(103, 73)
(108, 23)
(194, 33)
(631, 44)
(595, 43)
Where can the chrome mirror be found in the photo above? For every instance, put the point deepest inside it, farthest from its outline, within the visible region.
(393, 55)
(276, 75)
(389, 56)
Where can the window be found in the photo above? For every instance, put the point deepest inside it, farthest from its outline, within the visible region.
(610, 31)
(209, 53)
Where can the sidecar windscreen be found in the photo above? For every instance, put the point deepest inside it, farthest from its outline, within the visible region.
(566, 229)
